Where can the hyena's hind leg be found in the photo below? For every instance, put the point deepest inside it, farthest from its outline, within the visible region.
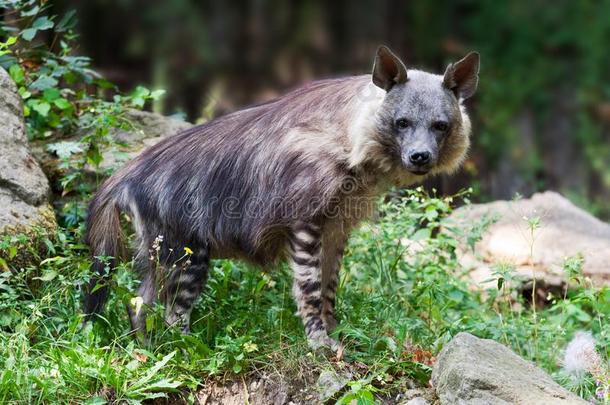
(306, 260)
(183, 286)
(147, 293)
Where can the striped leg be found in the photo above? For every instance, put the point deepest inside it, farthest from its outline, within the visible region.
(183, 287)
(147, 292)
(306, 257)
(333, 256)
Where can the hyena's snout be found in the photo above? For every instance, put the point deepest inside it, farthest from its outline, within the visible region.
(419, 151)
(420, 158)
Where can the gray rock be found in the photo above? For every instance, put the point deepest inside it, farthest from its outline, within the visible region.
(330, 383)
(149, 125)
(418, 396)
(417, 401)
(24, 189)
(473, 371)
(565, 230)
(19, 171)
(148, 129)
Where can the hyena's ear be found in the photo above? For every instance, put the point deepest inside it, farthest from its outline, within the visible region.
(388, 70)
(462, 77)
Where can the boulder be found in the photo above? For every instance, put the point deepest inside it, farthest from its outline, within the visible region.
(24, 189)
(564, 231)
(419, 396)
(477, 371)
(147, 129)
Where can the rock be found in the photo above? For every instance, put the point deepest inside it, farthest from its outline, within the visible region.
(24, 189)
(419, 396)
(565, 231)
(417, 401)
(256, 390)
(148, 129)
(477, 371)
(330, 383)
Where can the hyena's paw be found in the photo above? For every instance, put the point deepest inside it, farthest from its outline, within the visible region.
(321, 340)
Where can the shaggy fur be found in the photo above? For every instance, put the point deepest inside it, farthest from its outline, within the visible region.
(286, 179)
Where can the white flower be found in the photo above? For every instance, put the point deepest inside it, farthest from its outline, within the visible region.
(580, 356)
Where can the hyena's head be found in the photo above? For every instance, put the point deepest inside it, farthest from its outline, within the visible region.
(421, 121)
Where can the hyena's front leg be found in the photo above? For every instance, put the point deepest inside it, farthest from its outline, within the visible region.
(331, 265)
(306, 260)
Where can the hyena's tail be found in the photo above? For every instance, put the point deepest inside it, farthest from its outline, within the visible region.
(104, 237)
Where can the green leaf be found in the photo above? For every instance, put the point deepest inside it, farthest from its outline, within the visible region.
(99, 286)
(29, 34)
(141, 91)
(44, 82)
(51, 94)
(43, 23)
(146, 383)
(65, 149)
(67, 22)
(56, 260)
(12, 252)
(5, 45)
(150, 324)
(94, 157)
(138, 102)
(48, 275)
(162, 385)
(16, 74)
(157, 94)
(24, 93)
(31, 12)
(431, 213)
(49, 245)
(139, 96)
(62, 104)
(95, 401)
(160, 364)
(42, 108)
(456, 295)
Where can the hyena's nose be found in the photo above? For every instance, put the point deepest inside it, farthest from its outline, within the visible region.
(420, 158)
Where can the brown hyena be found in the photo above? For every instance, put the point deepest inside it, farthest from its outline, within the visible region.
(286, 179)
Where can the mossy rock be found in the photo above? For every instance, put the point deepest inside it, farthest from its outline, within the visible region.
(26, 218)
(24, 243)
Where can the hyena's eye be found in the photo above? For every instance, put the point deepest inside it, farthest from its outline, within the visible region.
(402, 123)
(440, 126)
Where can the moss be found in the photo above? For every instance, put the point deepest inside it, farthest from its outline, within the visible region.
(22, 245)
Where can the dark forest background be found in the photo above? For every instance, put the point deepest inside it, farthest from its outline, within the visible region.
(541, 115)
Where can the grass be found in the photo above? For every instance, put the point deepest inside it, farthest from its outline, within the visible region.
(401, 298)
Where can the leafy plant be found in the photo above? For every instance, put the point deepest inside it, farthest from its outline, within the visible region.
(62, 95)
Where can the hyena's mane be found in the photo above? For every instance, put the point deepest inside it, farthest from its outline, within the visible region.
(240, 181)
